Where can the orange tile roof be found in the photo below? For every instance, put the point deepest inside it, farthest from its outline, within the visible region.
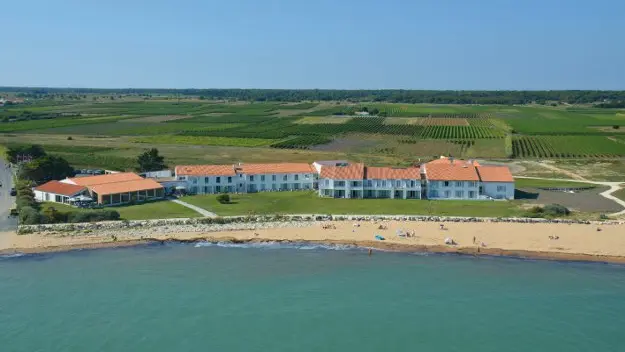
(109, 178)
(349, 172)
(446, 160)
(57, 187)
(451, 172)
(495, 174)
(383, 173)
(278, 168)
(205, 170)
(125, 186)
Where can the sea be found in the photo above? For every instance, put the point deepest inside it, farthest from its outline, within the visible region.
(273, 297)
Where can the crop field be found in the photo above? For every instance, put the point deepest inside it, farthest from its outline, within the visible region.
(566, 147)
(401, 132)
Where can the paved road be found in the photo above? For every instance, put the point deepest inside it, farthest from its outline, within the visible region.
(6, 201)
(614, 186)
(202, 211)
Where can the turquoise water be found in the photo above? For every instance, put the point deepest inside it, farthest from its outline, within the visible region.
(187, 298)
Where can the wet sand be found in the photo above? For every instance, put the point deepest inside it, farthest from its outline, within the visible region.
(575, 241)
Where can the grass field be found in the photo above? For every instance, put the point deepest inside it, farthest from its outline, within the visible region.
(309, 203)
(153, 210)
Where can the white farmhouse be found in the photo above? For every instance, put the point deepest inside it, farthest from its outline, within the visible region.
(447, 178)
(496, 182)
(360, 181)
(246, 178)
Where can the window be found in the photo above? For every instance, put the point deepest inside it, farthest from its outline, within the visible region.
(447, 194)
(459, 194)
(252, 178)
(296, 186)
(446, 183)
(205, 179)
(434, 184)
(182, 178)
(327, 182)
(273, 177)
(339, 183)
(307, 176)
(398, 183)
(368, 183)
(355, 183)
(284, 186)
(217, 179)
(285, 177)
(501, 188)
(458, 183)
(205, 189)
(274, 186)
(296, 177)
(472, 194)
(218, 189)
(472, 184)
(195, 181)
(262, 178)
(229, 179)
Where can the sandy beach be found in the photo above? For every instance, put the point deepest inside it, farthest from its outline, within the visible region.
(596, 242)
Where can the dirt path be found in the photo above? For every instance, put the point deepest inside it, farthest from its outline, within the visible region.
(562, 171)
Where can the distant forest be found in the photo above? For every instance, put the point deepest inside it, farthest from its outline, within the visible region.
(604, 98)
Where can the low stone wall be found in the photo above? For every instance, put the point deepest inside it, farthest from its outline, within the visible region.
(263, 221)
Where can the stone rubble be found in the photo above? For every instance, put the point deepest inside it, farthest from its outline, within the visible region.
(147, 228)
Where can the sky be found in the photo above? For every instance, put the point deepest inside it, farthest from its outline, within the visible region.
(326, 44)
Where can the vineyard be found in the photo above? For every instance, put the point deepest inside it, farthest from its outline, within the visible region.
(389, 129)
(566, 147)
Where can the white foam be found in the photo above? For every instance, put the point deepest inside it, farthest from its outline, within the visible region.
(278, 245)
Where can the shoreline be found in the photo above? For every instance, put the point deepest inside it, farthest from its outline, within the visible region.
(386, 247)
(576, 242)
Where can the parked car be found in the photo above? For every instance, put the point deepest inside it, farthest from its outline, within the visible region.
(13, 192)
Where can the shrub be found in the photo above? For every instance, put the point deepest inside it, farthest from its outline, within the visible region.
(223, 198)
(556, 210)
(30, 216)
(92, 216)
(616, 127)
(70, 138)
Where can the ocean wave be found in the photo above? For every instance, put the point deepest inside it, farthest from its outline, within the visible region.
(279, 245)
(12, 255)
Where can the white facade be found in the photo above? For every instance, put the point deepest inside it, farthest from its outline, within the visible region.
(498, 190)
(244, 183)
(358, 188)
(437, 189)
(42, 196)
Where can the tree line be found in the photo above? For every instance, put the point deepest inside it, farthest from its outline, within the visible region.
(385, 95)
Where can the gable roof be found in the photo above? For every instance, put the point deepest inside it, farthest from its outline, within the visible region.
(101, 179)
(125, 186)
(205, 170)
(276, 168)
(349, 172)
(382, 173)
(495, 174)
(448, 161)
(451, 172)
(61, 188)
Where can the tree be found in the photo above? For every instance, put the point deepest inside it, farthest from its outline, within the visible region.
(151, 161)
(45, 169)
(20, 151)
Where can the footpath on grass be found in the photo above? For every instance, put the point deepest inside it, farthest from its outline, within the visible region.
(614, 187)
(202, 211)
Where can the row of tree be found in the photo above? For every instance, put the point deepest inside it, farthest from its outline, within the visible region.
(385, 95)
(36, 165)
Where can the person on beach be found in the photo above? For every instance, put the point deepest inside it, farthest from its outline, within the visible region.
(473, 239)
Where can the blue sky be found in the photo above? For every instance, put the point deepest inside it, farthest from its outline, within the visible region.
(341, 44)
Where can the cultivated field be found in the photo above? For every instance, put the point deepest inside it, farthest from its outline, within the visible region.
(110, 134)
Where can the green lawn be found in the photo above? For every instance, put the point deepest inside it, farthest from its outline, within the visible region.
(531, 183)
(309, 202)
(152, 210)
